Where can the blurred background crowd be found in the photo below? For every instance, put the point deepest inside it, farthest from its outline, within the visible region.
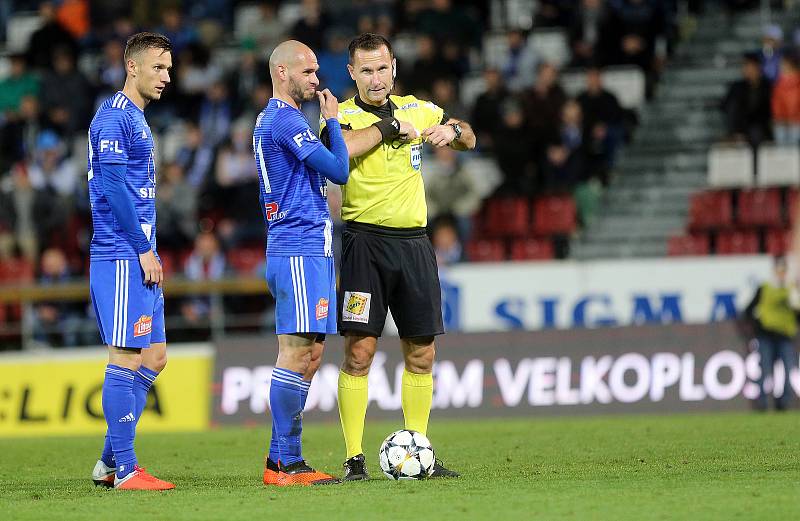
(497, 64)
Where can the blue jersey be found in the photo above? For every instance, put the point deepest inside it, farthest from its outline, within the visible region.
(294, 197)
(119, 135)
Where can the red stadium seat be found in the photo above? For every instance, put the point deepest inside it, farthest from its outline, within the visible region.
(794, 199)
(553, 215)
(16, 271)
(711, 210)
(696, 244)
(507, 217)
(760, 207)
(737, 242)
(532, 249)
(486, 250)
(778, 241)
(246, 260)
(167, 262)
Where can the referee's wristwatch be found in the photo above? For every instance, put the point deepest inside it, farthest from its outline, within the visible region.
(457, 129)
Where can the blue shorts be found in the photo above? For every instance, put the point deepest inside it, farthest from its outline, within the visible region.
(305, 294)
(129, 313)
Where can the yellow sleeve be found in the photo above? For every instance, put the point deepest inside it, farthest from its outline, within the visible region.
(433, 113)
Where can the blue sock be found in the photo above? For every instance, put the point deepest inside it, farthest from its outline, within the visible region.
(142, 381)
(286, 401)
(118, 406)
(274, 449)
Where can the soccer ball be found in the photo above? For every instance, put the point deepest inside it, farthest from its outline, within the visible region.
(406, 454)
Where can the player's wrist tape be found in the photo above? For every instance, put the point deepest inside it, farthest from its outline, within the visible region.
(389, 127)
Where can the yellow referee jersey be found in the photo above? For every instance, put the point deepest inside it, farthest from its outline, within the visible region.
(385, 185)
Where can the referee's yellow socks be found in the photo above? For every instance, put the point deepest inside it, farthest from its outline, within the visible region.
(416, 396)
(353, 398)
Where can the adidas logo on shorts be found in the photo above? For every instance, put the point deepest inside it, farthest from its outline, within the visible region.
(127, 418)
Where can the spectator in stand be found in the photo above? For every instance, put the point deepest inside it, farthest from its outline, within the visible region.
(786, 102)
(18, 136)
(447, 23)
(634, 27)
(774, 313)
(602, 118)
(54, 180)
(486, 112)
(173, 27)
(247, 77)
(419, 76)
(747, 105)
(443, 93)
(57, 323)
(519, 67)
(176, 207)
(194, 73)
(111, 70)
(554, 13)
(19, 83)
(771, 52)
(216, 114)
(313, 24)
(446, 243)
(237, 186)
(333, 62)
(543, 103)
(515, 151)
(266, 29)
(49, 36)
(565, 162)
(452, 188)
(66, 94)
(206, 262)
(195, 157)
(585, 33)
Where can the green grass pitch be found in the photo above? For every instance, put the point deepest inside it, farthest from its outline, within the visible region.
(709, 466)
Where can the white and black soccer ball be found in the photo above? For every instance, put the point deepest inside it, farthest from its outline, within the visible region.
(406, 454)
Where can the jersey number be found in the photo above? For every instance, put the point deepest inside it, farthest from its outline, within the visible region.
(262, 164)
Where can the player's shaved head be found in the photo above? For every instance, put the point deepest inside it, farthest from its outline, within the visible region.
(292, 67)
(288, 54)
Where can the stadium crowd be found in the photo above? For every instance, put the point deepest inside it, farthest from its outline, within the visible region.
(533, 139)
(764, 105)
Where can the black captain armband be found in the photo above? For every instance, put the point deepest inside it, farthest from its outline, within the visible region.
(389, 127)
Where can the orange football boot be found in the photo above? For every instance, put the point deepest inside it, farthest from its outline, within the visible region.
(139, 479)
(271, 470)
(301, 474)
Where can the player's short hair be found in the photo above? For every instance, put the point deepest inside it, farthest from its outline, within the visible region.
(368, 42)
(142, 41)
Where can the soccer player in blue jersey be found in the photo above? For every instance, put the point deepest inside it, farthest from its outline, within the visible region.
(125, 272)
(293, 168)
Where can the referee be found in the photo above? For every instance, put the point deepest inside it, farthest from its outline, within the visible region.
(388, 261)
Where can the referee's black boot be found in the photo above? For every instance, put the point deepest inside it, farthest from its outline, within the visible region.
(439, 471)
(355, 469)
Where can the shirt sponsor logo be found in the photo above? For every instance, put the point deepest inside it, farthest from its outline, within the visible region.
(306, 135)
(143, 326)
(322, 308)
(111, 146)
(416, 156)
(413, 105)
(356, 306)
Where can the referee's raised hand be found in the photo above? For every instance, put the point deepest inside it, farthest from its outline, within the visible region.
(153, 273)
(328, 104)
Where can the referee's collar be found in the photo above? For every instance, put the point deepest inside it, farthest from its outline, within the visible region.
(378, 111)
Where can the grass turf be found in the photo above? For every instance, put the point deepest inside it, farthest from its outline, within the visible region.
(710, 466)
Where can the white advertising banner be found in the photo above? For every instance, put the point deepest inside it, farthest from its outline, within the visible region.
(490, 297)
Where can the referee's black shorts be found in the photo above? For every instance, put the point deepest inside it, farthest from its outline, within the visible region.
(389, 268)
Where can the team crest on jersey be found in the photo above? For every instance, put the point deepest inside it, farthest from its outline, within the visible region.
(322, 308)
(143, 326)
(356, 306)
(416, 156)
